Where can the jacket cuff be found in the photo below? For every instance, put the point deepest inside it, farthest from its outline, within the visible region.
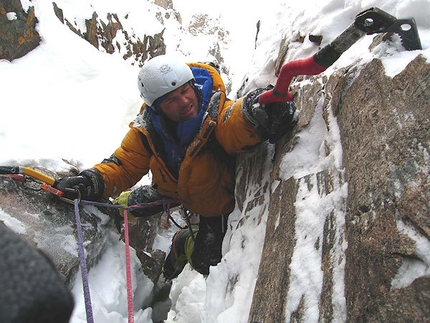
(97, 182)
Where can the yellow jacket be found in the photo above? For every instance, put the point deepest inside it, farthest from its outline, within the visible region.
(206, 180)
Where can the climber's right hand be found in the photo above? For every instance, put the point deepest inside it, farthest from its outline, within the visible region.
(269, 121)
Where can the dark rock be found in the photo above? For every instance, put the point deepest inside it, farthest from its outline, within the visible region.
(18, 35)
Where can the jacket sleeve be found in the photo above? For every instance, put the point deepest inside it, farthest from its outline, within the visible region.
(128, 164)
(233, 132)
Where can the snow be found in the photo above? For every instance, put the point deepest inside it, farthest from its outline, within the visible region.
(412, 268)
(73, 103)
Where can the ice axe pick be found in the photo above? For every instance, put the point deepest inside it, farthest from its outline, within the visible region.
(368, 22)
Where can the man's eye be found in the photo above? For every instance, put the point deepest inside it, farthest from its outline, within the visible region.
(170, 99)
(186, 90)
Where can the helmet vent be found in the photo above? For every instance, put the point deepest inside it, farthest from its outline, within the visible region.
(173, 83)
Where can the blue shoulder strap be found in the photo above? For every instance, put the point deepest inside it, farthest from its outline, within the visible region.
(204, 83)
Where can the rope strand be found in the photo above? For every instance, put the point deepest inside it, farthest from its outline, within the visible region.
(128, 270)
(81, 252)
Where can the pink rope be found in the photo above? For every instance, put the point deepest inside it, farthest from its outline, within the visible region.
(128, 270)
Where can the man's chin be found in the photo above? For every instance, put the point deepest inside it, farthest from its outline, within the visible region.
(189, 116)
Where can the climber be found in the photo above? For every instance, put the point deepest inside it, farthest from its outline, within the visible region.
(187, 134)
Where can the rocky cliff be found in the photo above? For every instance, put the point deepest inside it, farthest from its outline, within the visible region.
(378, 238)
(18, 34)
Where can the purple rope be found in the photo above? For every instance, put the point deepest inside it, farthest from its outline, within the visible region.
(132, 207)
(81, 251)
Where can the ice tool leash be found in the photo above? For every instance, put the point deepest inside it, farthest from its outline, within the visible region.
(368, 22)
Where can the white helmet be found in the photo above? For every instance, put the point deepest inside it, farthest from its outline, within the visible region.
(161, 75)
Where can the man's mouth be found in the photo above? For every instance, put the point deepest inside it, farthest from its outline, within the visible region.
(188, 110)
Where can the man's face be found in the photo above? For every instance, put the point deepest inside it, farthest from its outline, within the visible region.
(181, 104)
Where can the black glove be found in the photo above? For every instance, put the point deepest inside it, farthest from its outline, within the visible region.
(271, 121)
(281, 119)
(88, 184)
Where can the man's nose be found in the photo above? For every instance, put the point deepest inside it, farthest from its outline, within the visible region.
(183, 99)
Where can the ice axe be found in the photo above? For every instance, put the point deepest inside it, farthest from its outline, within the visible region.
(368, 22)
(48, 183)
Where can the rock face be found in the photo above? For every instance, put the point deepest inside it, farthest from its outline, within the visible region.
(17, 30)
(101, 33)
(386, 142)
(379, 237)
(18, 35)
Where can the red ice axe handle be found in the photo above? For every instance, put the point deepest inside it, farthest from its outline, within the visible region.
(313, 65)
(279, 93)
